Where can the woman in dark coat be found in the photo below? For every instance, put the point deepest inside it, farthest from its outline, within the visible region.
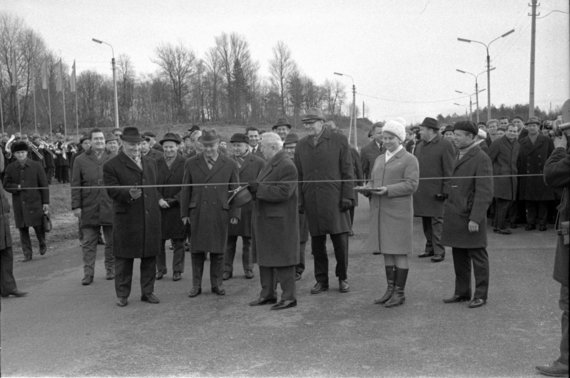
(29, 204)
(136, 221)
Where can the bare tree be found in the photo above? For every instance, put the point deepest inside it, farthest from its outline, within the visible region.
(126, 78)
(281, 67)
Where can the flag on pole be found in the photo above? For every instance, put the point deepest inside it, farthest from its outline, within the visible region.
(44, 75)
(59, 78)
(72, 79)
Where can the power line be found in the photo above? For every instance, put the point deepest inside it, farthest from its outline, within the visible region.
(412, 101)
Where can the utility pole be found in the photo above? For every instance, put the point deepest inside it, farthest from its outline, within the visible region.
(532, 54)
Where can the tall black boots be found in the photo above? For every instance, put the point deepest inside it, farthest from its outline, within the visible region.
(398, 297)
(390, 278)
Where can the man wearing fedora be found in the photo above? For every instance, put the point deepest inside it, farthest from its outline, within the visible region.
(436, 157)
(282, 127)
(136, 216)
(324, 156)
(93, 207)
(249, 167)
(534, 150)
(171, 172)
(208, 178)
(275, 217)
(29, 204)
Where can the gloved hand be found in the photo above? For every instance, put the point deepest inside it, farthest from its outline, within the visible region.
(346, 204)
(301, 209)
(252, 186)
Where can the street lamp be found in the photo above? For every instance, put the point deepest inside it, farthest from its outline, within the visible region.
(353, 115)
(463, 106)
(114, 79)
(471, 102)
(487, 45)
(477, 91)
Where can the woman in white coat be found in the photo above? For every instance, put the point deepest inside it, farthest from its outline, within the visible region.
(393, 181)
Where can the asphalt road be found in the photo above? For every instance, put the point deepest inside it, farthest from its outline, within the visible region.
(64, 329)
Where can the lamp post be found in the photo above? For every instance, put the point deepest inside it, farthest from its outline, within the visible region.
(114, 79)
(487, 45)
(477, 91)
(353, 115)
(463, 106)
(471, 102)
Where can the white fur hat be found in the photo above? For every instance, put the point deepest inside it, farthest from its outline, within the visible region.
(401, 120)
(396, 128)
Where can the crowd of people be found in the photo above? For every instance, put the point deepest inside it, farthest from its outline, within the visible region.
(202, 194)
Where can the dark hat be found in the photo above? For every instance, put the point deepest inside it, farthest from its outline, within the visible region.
(448, 128)
(291, 138)
(209, 137)
(171, 137)
(84, 138)
(281, 122)
(239, 197)
(131, 134)
(193, 128)
(149, 134)
(312, 115)
(19, 146)
(110, 138)
(239, 138)
(533, 120)
(468, 126)
(430, 123)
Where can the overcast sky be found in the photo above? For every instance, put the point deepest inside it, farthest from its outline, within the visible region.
(402, 54)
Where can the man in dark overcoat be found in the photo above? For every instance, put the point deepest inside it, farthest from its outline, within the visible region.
(372, 150)
(325, 156)
(29, 204)
(171, 172)
(93, 207)
(557, 175)
(465, 216)
(504, 153)
(7, 282)
(249, 167)
(535, 149)
(208, 178)
(132, 186)
(276, 217)
(436, 157)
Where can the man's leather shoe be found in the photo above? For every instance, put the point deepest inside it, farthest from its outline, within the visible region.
(87, 280)
(343, 286)
(456, 299)
(477, 302)
(177, 276)
(249, 274)
(194, 292)
(426, 254)
(159, 275)
(263, 301)
(110, 275)
(227, 275)
(150, 298)
(319, 288)
(284, 304)
(122, 301)
(530, 227)
(542, 227)
(504, 231)
(437, 258)
(376, 253)
(43, 250)
(556, 369)
(218, 291)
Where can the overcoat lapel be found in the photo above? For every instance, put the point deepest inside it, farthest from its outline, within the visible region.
(217, 166)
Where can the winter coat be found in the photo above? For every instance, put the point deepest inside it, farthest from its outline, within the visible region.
(504, 155)
(276, 215)
(358, 174)
(469, 199)
(532, 158)
(330, 161)
(368, 155)
(155, 154)
(95, 204)
(28, 203)
(391, 215)
(207, 203)
(172, 226)
(5, 237)
(557, 175)
(248, 171)
(136, 223)
(436, 159)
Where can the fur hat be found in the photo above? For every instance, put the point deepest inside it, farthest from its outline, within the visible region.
(468, 126)
(170, 137)
(430, 123)
(19, 146)
(396, 128)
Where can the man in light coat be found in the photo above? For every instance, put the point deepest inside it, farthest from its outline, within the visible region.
(93, 207)
(325, 156)
(276, 217)
(465, 216)
(436, 157)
